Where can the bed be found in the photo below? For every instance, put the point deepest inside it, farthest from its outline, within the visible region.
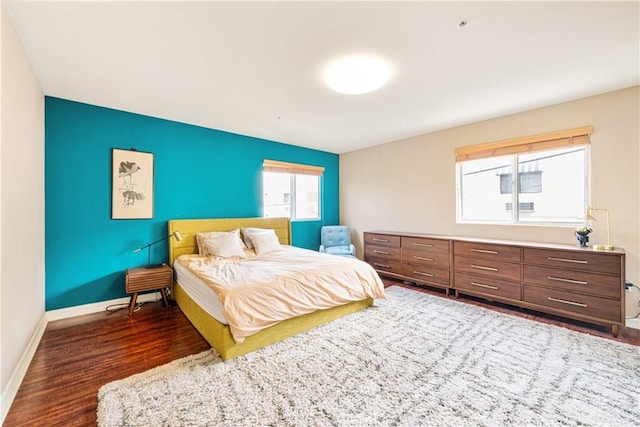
(217, 333)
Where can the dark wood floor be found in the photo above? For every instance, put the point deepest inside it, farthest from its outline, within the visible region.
(77, 356)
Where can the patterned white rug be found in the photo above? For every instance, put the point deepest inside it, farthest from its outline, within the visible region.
(415, 359)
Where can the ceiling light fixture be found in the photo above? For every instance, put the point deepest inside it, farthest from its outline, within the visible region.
(358, 74)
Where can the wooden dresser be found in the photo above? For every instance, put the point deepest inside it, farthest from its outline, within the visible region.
(423, 260)
(569, 281)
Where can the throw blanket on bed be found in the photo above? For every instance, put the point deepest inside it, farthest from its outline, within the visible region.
(259, 291)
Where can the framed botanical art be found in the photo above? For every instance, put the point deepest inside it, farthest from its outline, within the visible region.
(132, 185)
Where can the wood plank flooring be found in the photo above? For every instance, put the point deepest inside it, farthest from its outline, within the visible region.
(77, 356)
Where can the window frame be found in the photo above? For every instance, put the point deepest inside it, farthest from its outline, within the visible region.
(513, 148)
(294, 197)
(294, 170)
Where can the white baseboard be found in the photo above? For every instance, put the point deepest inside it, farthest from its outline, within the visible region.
(10, 391)
(633, 323)
(65, 313)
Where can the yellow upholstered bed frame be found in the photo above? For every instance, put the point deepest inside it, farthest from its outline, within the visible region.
(218, 334)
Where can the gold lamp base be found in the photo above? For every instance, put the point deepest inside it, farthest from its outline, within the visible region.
(603, 247)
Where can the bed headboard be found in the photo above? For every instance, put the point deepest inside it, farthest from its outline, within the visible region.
(189, 227)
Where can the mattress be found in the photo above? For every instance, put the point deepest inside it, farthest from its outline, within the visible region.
(260, 291)
(199, 292)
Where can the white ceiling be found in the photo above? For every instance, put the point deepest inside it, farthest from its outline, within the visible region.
(255, 68)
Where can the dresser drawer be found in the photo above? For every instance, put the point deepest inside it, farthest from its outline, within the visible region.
(426, 274)
(575, 281)
(578, 260)
(381, 239)
(382, 266)
(486, 285)
(586, 305)
(148, 278)
(488, 268)
(427, 259)
(423, 244)
(382, 252)
(488, 251)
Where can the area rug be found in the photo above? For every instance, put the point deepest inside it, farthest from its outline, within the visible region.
(414, 359)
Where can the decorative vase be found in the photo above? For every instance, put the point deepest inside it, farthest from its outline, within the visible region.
(583, 238)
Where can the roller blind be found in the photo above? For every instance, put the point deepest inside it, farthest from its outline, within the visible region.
(567, 138)
(294, 168)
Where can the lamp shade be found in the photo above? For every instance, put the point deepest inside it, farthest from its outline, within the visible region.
(177, 235)
(588, 216)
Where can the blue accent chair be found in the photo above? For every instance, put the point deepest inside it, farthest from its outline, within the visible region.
(336, 240)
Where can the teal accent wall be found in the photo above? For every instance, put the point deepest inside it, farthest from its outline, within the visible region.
(199, 173)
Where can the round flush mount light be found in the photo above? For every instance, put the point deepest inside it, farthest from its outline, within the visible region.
(357, 74)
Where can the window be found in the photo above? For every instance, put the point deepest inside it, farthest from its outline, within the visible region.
(291, 190)
(528, 182)
(551, 185)
(523, 206)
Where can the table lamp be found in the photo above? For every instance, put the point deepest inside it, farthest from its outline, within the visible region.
(588, 216)
(175, 234)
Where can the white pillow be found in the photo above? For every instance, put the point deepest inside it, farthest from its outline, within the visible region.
(201, 237)
(225, 246)
(246, 239)
(264, 241)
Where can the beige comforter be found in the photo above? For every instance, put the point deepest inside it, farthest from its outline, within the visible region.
(259, 291)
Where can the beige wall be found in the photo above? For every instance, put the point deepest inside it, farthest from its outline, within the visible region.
(21, 208)
(409, 185)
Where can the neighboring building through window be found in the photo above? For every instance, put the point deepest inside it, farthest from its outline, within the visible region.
(551, 185)
(291, 190)
(528, 182)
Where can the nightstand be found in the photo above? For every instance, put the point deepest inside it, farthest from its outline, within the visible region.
(148, 279)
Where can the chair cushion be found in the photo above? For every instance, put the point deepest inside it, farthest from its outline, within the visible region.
(339, 250)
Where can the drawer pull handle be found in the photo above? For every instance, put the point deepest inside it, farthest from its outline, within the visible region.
(381, 252)
(560, 279)
(420, 273)
(426, 245)
(380, 240)
(575, 261)
(485, 251)
(422, 258)
(482, 285)
(578, 304)
(482, 267)
(377, 264)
